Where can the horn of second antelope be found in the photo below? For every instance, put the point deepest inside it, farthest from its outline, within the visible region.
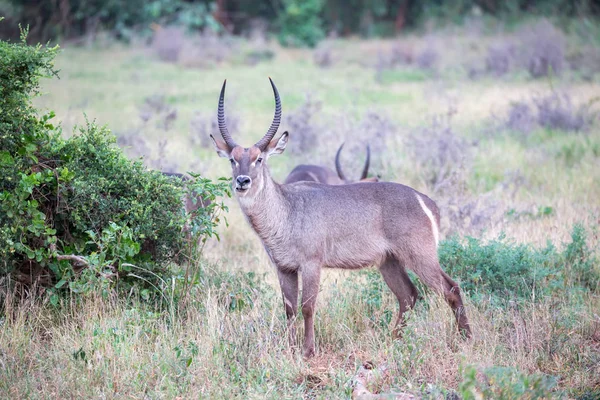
(221, 119)
(338, 165)
(365, 171)
(262, 143)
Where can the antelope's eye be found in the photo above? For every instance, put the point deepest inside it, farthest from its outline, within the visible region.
(259, 160)
(232, 161)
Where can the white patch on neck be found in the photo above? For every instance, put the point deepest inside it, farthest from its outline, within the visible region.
(429, 214)
(245, 201)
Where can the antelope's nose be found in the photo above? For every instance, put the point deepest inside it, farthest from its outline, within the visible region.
(243, 181)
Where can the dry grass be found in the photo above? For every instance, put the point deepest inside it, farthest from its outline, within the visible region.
(125, 348)
(119, 348)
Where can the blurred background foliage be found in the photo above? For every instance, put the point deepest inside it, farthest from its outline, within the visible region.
(295, 22)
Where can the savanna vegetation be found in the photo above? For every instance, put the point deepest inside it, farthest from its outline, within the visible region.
(110, 289)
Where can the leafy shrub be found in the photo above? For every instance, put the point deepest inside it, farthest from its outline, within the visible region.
(300, 23)
(502, 269)
(511, 271)
(582, 265)
(77, 210)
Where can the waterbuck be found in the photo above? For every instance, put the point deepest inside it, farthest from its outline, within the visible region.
(318, 173)
(306, 226)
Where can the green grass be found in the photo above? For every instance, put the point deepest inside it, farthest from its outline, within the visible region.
(201, 347)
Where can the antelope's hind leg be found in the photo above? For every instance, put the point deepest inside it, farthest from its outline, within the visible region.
(453, 297)
(427, 267)
(289, 289)
(398, 281)
(311, 276)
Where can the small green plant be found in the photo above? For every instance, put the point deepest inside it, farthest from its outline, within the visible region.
(186, 353)
(502, 383)
(581, 262)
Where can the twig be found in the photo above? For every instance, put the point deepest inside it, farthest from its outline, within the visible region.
(79, 261)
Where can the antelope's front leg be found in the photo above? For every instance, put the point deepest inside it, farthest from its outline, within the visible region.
(289, 288)
(310, 289)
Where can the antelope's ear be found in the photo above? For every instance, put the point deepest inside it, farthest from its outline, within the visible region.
(221, 147)
(277, 146)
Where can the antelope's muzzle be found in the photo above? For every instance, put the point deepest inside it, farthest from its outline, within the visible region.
(242, 183)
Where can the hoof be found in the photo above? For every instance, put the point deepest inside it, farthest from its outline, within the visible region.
(309, 353)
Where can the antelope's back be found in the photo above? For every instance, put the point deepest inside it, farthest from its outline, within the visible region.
(313, 173)
(364, 212)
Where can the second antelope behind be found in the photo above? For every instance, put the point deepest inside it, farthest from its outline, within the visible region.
(321, 174)
(307, 226)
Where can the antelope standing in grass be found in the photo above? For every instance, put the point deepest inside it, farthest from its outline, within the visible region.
(307, 226)
(317, 173)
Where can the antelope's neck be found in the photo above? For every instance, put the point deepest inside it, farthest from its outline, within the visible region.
(268, 210)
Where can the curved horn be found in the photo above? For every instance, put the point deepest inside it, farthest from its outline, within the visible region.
(221, 119)
(366, 168)
(338, 166)
(262, 143)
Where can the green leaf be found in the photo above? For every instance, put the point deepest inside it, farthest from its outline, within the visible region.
(6, 158)
(60, 284)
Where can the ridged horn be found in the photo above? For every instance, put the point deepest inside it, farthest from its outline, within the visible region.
(262, 143)
(365, 171)
(338, 165)
(221, 119)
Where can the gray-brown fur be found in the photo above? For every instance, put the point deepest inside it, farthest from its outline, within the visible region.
(320, 174)
(313, 173)
(307, 226)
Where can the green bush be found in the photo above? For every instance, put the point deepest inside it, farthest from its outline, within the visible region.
(583, 268)
(76, 210)
(301, 23)
(512, 271)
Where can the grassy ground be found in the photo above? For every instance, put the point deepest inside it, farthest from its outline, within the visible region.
(226, 338)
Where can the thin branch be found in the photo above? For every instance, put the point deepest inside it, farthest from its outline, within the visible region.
(79, 261)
